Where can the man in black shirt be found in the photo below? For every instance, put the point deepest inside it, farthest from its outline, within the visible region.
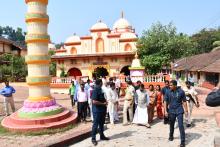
(99, 106)
(176, 99)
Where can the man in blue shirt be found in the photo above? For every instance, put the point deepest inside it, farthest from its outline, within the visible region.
(99, 106)
(174, 100)
(7, 92)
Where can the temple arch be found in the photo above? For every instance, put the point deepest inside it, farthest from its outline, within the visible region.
(125, 70)
(74, 72)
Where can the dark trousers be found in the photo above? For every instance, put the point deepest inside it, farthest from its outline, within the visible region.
(98, 121)
(82, 110)
(180, 124)
(72, 100)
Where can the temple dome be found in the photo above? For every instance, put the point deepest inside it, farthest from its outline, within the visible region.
(122, 23)
(99, 25)
(73, 39)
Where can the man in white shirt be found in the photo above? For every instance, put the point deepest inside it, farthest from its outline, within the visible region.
(192, 99)
(118, 85)
(82, 97)
(112, 98)
(91, 88)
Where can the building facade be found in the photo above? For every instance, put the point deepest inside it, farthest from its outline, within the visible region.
(203, 68)
(105, 52)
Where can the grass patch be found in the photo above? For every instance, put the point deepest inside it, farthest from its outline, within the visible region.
(4, 131)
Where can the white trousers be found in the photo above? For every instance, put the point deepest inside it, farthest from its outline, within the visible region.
(112, 110)
(190, 105)
(11, 101)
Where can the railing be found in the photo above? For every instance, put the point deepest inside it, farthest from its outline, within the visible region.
(57, 80)
(155, 78)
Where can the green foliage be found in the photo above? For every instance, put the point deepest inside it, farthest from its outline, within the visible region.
(53, 66)
(15, 35)
(12, 67)
(58, 46)
(63, 74)
(205, 39)
(161, 45)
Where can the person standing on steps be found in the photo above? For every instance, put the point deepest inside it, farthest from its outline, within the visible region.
(7, 92)
(99, 106)
(175, 99)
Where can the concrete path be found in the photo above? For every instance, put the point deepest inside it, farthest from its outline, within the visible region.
(200, 135)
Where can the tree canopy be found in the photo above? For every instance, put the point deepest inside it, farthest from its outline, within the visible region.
(205, 39)
(161, 45)
(15, 35)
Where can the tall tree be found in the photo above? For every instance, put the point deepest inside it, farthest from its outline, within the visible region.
(205, 39)
(161, 45)
(15, 35)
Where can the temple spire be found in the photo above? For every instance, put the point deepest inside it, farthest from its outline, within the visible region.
(122, 14)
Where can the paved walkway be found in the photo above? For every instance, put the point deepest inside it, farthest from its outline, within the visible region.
(200, 135)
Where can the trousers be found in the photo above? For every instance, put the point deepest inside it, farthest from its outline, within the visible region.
(11, 101)
(190, 105)
(180, 124)
(127, 107)
(98, 121)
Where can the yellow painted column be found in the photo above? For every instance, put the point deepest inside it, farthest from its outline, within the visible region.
(39, 103)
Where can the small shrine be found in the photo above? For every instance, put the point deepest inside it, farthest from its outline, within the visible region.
(136, 70)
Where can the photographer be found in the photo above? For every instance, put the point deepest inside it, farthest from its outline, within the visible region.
(192, 99)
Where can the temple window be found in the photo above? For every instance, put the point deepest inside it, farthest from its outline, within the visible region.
(73, 51)
(128, 47)
(99, 45)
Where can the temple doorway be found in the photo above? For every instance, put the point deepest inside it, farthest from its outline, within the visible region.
(125, 70)
(100, 72)
(74, 72)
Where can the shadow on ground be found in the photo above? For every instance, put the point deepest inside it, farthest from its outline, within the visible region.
(122, 135)
(192, 136)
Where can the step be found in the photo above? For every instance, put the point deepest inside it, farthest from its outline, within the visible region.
(10, 125)
(43, 120)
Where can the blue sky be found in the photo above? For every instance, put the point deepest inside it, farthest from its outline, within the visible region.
(77, 16)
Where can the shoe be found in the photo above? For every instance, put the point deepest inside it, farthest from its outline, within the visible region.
(94, 142)
(104, 138)
(170, 138)
(126, 124)
(147, 125)
(188, 125)
(182, 145)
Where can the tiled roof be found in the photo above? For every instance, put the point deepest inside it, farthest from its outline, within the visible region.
(201, 62)
(2, 39)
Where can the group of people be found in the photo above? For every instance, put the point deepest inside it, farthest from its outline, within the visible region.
(100, 98)
(139, 106)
